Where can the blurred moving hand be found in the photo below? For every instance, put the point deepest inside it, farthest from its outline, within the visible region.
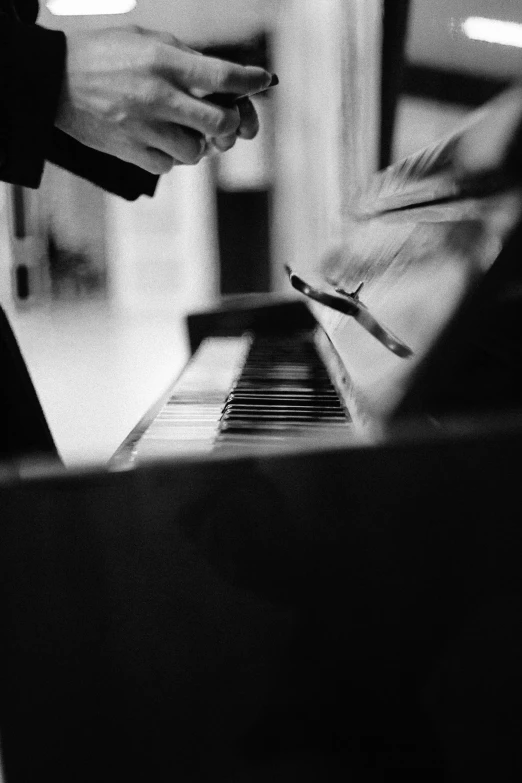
(139, 95)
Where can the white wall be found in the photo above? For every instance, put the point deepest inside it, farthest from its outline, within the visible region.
(163, 251)
(435, 25)
(192, 20)
(436, 37)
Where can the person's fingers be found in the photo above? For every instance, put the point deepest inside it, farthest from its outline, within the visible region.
(224, 143)
(248, 119)
(150, 159)
(248, 126)
(158, 162)
(134, 94)
(166, 38)
(181, 144)
(210, 73)
(173, 105)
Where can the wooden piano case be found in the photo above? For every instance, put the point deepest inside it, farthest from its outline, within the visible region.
(345, 611)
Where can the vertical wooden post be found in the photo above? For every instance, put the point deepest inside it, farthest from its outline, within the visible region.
(327, 54)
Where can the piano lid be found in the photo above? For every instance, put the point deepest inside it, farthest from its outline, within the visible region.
(416, 245)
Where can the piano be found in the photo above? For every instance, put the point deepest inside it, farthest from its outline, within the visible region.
(411, 318)
(303, 563)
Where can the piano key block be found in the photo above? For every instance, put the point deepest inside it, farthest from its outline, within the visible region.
(188, 420)
(247, 391)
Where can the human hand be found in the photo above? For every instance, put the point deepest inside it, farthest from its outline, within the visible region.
(140, 96)
(249, 123)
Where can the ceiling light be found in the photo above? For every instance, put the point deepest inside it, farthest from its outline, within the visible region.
(90, 7)
(493, 31)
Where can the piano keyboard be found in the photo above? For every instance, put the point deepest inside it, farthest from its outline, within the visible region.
(247, 391)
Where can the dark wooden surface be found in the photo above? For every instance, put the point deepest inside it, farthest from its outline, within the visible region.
(311, 615)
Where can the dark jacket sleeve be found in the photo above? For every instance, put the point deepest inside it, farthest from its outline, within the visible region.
(31, 67)
(32, 62)
(110, 173)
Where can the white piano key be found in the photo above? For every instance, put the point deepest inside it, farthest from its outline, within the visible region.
(189, 420)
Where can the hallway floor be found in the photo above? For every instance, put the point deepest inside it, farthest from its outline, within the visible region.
(97, 370)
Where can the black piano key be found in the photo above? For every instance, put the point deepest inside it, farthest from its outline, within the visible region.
(271, 394)
(316, 410)
(266, 418)
(285, 387)
(253, 427)
(283, 390)
(283, 407)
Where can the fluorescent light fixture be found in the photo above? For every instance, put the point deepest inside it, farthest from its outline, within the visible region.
(493, 31)
(90, 7)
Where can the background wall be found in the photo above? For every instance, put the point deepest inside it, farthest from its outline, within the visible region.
(191, 20)
(436, 37)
